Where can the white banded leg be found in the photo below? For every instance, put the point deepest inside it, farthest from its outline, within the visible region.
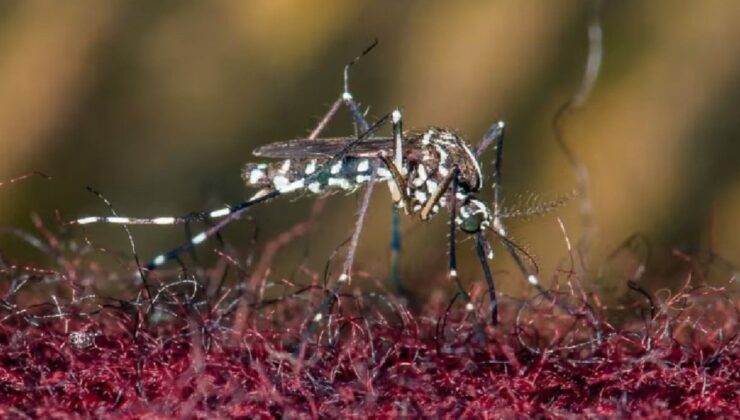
(260, 197)
(496, 135)
(452, 259)
(164, 220)
(237, 211)
(347, 97)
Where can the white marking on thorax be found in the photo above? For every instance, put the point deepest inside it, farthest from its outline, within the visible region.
(280, 182)
(285, 167)
(443, 170)
(427, 136)
(255, 176)
(431, 186)
(421, 176)
(443, 155)
(420, 196)
(479, 184)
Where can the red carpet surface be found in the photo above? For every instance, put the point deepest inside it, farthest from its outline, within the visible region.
(61, 362)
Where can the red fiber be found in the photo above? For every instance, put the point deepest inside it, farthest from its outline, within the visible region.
(374, 367)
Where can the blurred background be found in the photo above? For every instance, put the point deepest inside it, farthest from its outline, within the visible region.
(159, 104)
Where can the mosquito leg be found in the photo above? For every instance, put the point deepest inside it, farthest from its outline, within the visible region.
(396, 251)
(497, 197)
(438, 194)
(347, 97)
(395, 213)
(162, 221)
(399, 183)
(261, 196)
(480, 247)
(452, 261)
(331, 298)
(363, 125)
(494, 133)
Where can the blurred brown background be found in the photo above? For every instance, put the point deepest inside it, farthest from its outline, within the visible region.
(158, 104)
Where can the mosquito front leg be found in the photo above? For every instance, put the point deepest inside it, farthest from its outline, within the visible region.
(399, 187)
(438, 194)
(452, 261)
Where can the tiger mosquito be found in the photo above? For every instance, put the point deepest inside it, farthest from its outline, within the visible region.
(425, 170)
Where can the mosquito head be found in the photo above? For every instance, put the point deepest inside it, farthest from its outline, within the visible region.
(473, 216)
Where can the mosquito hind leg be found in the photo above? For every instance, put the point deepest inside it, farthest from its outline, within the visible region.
(161, 221)
(362, 125)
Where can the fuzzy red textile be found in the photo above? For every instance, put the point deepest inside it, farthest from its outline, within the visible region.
(400, 365)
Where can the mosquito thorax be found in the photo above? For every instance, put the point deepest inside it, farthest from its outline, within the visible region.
(447, 150)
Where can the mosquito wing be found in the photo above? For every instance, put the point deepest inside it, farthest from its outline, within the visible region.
(326, 148)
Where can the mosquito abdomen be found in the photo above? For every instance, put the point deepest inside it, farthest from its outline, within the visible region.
(312, 175)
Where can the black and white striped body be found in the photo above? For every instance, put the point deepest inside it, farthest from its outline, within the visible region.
(312, 175)
(428, 159)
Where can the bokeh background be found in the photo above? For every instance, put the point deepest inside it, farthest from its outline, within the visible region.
(158, 105)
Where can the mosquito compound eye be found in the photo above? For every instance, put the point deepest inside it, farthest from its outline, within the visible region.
(472, 223)
(473, 216)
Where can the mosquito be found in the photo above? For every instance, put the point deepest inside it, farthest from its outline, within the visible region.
(426, 171)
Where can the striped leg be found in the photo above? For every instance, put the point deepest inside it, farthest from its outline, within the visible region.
(165, 220)
(481, 247)
(395, 216)
(452, 259)
(362, 124)
(496, 135)
(263, 196)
